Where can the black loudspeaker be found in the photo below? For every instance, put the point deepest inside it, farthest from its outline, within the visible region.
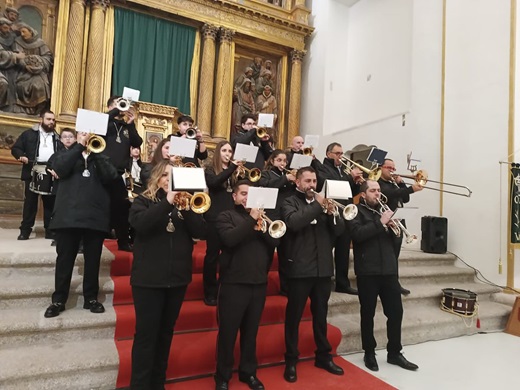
(434, 234)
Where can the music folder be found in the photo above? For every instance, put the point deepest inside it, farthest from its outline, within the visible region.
(311, 141)
(265, 120)
(91, 122)
(187, 179)
(261, 198)
(299, 161)
(183, 147)
(245, 152)
(131, 94)
(338, 189)
(377, 156)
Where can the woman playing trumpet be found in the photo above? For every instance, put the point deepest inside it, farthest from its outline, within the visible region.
(161, 272)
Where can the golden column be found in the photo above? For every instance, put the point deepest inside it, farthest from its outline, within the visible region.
(223, 90)
(207, 78)
(73, 58)
(295, 94)
(95, 51)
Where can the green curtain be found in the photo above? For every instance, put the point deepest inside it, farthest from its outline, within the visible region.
(154, 56)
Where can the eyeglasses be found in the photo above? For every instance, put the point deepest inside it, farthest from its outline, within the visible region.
(337, 153)
(389, 168)
(68, 137)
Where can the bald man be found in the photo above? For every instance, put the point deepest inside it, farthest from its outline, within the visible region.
(295, 148)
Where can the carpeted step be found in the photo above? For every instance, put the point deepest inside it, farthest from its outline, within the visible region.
(422, 324)
(36, 291)
(84, 364)
(421, 295)
(123, 290)
(195, 315)
(193, 354)
(309, 378)
(27, 326)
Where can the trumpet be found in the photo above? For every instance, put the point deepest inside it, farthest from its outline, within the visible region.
(276, 228)
(373, 174)
(261, 132)
(307, 151)
(191, 133)
(96, 144)
(396, 225)
(291, 171)
(253, 174)
(130, 186)
(199, 203)
(331, 206)
(123, 104)
(177, 162)
(421, 178)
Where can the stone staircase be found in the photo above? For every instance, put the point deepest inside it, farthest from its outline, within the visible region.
(76, 350)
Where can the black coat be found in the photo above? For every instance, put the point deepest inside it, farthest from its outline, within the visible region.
(264, 148)
(221, 198)
(328, 171)
(273, 178)
(163, 259)
(309, 246)
(395, 195)
(27, 145)
(246, 253)
(119, 152)
(82, 202)
(373, 244)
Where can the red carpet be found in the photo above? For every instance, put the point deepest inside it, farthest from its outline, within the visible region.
(193, 347)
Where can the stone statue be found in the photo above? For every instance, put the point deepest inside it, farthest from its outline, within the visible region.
(33, 88)
(248, 73)
(13, 16)
(244, 101)
(266, 104)
(8, 62)
(263, 81)
(257, 67)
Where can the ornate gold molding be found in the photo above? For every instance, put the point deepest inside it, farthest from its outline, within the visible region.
(272, 24)
(104, 4)
(297, 55)
(224, 82)
(209, 31)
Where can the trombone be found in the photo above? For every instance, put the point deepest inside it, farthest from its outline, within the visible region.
(199, 203)
(396, 225)
(96, 144)
(421, 178)
(349, 212)
(253, 174)
(276, 228)
(373, 174)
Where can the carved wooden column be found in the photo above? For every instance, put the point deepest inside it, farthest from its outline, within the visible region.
(295, 94)
(94, 73)
(73, 58)
(207, 78)
(224, 90)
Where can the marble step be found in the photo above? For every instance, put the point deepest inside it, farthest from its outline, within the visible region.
(28, 326)
(421, 324)
(86, 364)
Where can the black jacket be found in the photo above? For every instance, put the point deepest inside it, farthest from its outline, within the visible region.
(82, 202)
(119, 152)
(264, 148)
(309, 246)
(27, 145)
(246, 253)
(395, 194)
(221, 198)
(328, 171)
(163, 259)
(373, 244)
(273, 178)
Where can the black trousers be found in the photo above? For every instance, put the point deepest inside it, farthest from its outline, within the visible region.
(398, 242)
(119, 209)
(282, 268)
(341, 260)
(388, 289)
(156, 311)
(30, 208)
(67, 244)
(240, 307)
(209, 275)
(318, 290)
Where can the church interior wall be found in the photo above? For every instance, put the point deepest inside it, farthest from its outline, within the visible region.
(466, 146)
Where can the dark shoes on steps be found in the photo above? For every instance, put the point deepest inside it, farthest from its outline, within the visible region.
(289, 373)
(94, 306)
(330, 366)
(252, 381)
(400, 360)
(54, 310)
(371, 362)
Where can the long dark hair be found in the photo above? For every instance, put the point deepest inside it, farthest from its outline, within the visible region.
(216, 163)
(269, 163)
(157, 154)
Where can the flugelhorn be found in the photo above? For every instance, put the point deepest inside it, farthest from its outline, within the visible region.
(276, 228)
(373, 174)
(199, 203)
(177, 162)
(261, 132)
(96, 144)
(253, 174)
(395, 224)
(331, 206)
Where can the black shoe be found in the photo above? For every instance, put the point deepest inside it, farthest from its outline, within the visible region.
(53, 243)
(210, 301)
(126, 247)
(404, 291)
(371, 362)
(94, 306)
(220, 384)
(253, 382)
(23, 236)
(347, 290)
(54, 310)
(49, 234)
(289, 373)
(400, 360)
(330, 366)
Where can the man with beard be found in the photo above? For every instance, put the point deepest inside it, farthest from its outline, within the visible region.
(34, 147)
